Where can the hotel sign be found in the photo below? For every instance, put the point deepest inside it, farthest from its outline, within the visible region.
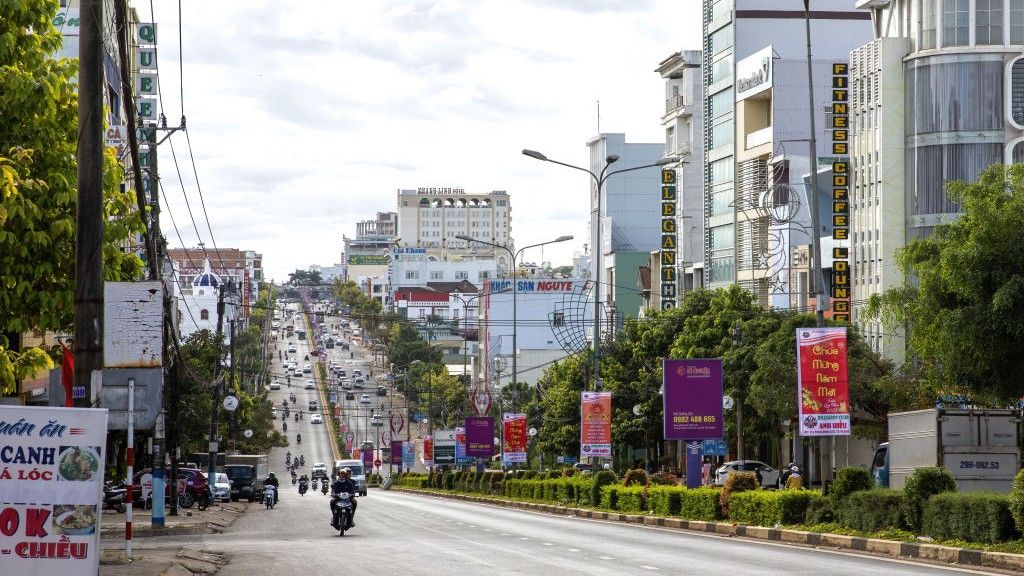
(754, 74)
(840, 192)
(669, 240)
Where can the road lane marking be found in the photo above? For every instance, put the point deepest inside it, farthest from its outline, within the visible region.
(573, 549)
(548, 544)
(646, 567)
(606, 558)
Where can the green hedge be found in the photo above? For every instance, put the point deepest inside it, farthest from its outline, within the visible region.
(610, 496)
(601, 479)
(1017, 500)
(975, 517)
(664, 500)
(919, 488)
(632, 499)
(872, 510)
(771, 507)
(700, 504)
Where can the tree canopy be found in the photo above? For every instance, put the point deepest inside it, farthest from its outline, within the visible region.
(305, 278)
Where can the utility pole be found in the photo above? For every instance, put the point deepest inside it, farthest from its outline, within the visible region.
(215, 405)
(233, 387)
(88, 295)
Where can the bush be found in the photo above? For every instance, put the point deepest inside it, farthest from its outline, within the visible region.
(700, 504)
(769, 508)
(610, 496)
(975, 517)
(849, 480)
(872, 510)
(1017, 500)
(738, 482)
(920, 486)
(663, 479)
(822, 510)
(552, 474)
(601, 479)
(664, 500)
(635, 477)
(570, 471)
(448, 481)
(631, 499)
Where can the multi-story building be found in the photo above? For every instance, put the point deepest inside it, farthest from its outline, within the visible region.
(431, 218)
(937, 96)
(756, 134)
(630, 209)
(684, 131)
(411, 267)
(386, 224)
(241, 268)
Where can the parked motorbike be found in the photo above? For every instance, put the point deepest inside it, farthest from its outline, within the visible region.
(296, 416)
(114, 496)
(206, 499)
(287, 458)
(342, 507)
(302, 460)
(268, 496)
(298, 438)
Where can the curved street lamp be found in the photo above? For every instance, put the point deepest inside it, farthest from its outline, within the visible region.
(514, 256)
(599, 180)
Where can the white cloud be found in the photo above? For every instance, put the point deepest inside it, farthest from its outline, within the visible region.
(306, 117)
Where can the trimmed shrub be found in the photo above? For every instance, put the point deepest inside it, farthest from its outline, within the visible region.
(601, 479)
(663, 479)
(849, 480)
(821, 510)
(570, 471)
(872, 510)
(610, 496)
(738, 482)
(632, 499)
(448, 481)
(769, 508)
(975, 517)
(919, 487)
(1017, 500)
(635, 477)
(700, 504)
(497, 476)
(552, 474)
(664, 500)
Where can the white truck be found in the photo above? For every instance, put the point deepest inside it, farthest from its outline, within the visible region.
(980, 448)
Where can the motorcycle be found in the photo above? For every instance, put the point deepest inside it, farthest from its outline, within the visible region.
(298, 438)
(268, 496)
(205, 499)
(284, 426)
(302, 460)
(342, 507)
(303, 487)
(296, 416)
(295, 477)
(287, 458)
(114, 496)
(323, 486)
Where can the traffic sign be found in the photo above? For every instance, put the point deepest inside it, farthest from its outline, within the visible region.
(376, 463)
(230, 403)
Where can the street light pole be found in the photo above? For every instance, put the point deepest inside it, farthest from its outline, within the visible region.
(599, 180)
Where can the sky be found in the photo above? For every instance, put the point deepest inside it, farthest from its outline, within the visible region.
(305, 117)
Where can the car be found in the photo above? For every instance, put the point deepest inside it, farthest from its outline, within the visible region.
(346, 385)
(318, 470)
(357, 373)
(307, 368)
(193, 478)
(364, 399)
(360, 382)
(382, 391)
(310, 385)
(292, 349)
(275, 385)
(222, 488)
(313, 406)
(350, 396)
(341, 372)
(316, 419)
(296, 372)
(769, 475)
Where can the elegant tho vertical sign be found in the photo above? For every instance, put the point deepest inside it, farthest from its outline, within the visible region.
(669, 239)
(822, 392)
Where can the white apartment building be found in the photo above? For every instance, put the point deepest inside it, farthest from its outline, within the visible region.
(431, 218)
(937, 96)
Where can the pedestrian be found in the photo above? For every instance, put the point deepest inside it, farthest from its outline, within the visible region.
(795, 480)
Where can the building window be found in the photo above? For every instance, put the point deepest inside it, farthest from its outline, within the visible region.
(723, 102)
(722, 171)
(929, 25)
(436, 275)
(1018, 153)
(956, 21)
(204, 314)
(1017, 91)
(412, 274)
(721, 69)
(461, 275)
(721, 40)
(1016, 21)
(558, 319)
(988, 22)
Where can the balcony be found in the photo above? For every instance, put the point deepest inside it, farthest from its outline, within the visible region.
(675, 103)
(762, 136)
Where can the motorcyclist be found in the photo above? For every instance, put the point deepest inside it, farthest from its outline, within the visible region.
(344, 484)
(284, 426)
(298, 438)
(272, 481)
(296, 416)
(302, 460)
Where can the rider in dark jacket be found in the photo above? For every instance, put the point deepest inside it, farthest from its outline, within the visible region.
(343, 484)
(272, 481)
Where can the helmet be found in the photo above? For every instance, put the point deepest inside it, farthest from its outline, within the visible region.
(345, 471)
(271, 474)
(794, 468)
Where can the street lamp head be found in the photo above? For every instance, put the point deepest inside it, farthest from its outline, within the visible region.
(611, 158)
(667, 160)
(463, 237)
(564, 238)
(534, 154)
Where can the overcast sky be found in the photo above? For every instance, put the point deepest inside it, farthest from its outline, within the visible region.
(306, 117)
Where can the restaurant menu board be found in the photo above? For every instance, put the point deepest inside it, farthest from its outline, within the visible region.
(51, 489)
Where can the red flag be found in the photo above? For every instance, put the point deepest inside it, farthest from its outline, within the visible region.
(67, 374)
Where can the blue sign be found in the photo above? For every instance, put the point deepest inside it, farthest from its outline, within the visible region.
(78, 392)
(715, 447)
(693, 463)
(565, 459)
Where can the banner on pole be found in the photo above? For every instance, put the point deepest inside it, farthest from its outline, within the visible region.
(408, 454)
(444, 447)
(693, 398)
(480, 436)
(596, 424)
(428, 451)
(396, 453)
(513, 447)
(51, 490)
(461, 458)
(822, 391)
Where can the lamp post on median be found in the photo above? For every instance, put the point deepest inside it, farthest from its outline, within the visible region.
(599, 180)
(515, 320)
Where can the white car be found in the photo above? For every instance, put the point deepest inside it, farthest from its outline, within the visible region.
(364, 399)
(296, 372)
(310, 385)
(307, 368)
(769, 475)
(292, 349)
(275, 385)
(318, 470)
(316, 419)
(222, 488)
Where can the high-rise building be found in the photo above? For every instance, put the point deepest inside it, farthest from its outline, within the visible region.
(756, 134)
(431, 218)
(937, 96)
(386, 224)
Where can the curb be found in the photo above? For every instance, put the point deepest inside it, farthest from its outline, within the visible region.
(891, 548)
(215, 522)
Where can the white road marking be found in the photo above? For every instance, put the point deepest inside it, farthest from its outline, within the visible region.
(573, 549)
(548, 544)
(645, 567)
(523, 538)
(606, 558)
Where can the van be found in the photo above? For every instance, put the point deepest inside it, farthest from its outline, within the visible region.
(358, 475)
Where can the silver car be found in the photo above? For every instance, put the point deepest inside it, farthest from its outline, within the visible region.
(769, 475)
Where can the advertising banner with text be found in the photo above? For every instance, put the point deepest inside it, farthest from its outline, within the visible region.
(396, 452)
(461, 458)
(692, 399)
(822, 394)
(428, 451)
(444, 447)
(480, 436)
(408, 454)
(596, 424)
(513, 447)
(51, 489)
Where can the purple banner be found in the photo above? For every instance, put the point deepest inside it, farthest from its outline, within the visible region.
(368, 460)
(396, 453)
(480, 436)
(693, 399)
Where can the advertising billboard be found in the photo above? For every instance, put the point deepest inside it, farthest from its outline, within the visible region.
(822, 391)
(692, 399)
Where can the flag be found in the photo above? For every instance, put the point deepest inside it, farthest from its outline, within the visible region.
(67, 374)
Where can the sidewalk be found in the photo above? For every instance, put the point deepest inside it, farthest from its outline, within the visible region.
(169, 559)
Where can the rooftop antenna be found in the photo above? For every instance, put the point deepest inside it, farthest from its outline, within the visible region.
(599, 116)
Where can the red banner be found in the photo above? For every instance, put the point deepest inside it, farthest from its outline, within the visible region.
(428, 450)
(823, 395)
(596, 424)
(513, 444)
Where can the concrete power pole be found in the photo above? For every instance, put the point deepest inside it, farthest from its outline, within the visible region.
(88, 345)
(215, 405)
